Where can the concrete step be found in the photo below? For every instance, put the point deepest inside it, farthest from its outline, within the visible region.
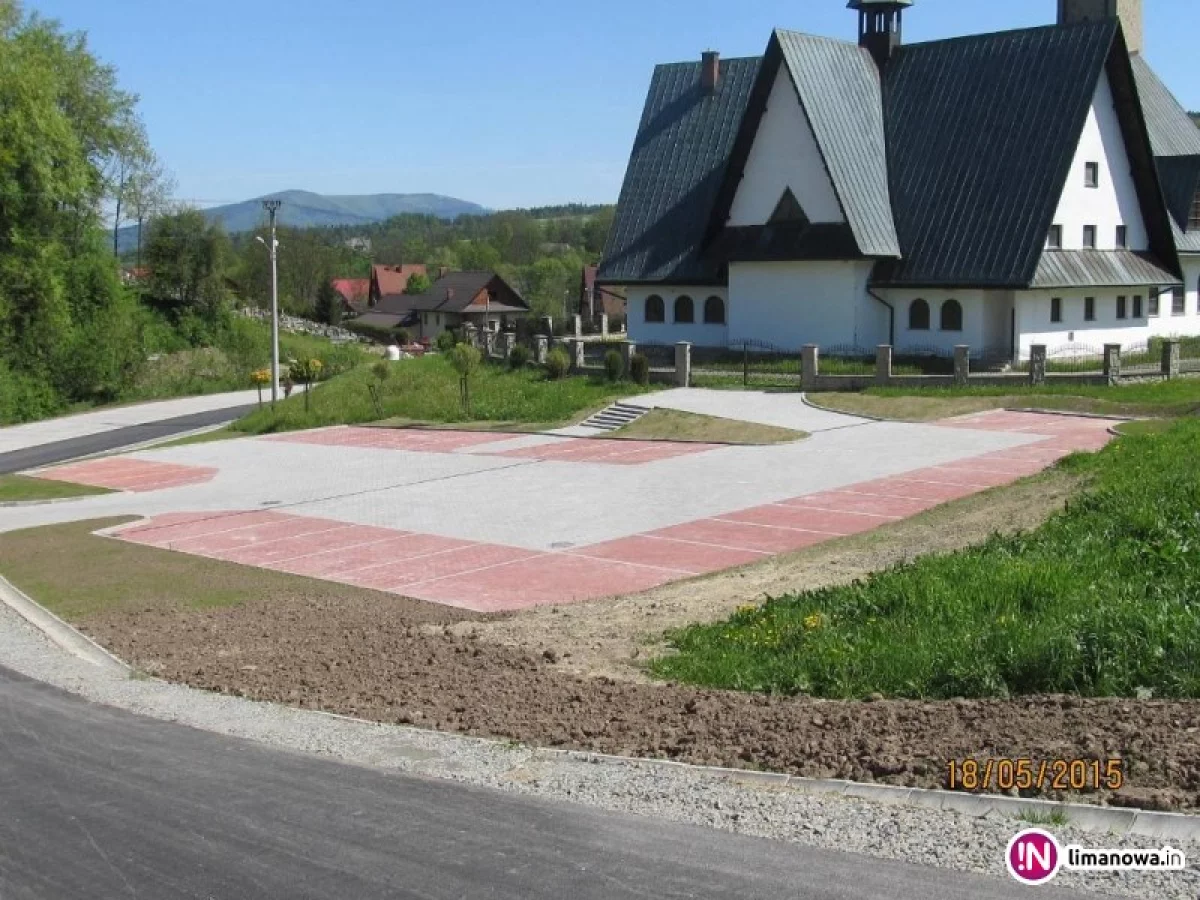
(616, 416)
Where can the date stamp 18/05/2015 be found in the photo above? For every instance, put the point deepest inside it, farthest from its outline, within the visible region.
(1004, 774)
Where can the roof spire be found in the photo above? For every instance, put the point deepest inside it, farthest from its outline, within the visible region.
(880, 26)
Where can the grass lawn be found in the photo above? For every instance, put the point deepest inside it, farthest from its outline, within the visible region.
(1099, 601)
(427, 390)
(20, 488)
(673, 425)
(1158, 398)
(76, 574)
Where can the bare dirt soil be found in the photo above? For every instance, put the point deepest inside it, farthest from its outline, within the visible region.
(571, 677)
(369, 659)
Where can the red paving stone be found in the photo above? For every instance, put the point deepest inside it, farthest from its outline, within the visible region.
(611, 452)
(137, 476)
(806, 519)
(472, 558)
(413, 440)
(663, 553)
(493, 578)
(741, 536)
(844, 501)
(543, 580)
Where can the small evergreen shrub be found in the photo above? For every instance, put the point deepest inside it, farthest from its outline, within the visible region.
(613, 365)
(403, 337)
(557, 363)
(446, 341)
(519, 357)
(639, 369)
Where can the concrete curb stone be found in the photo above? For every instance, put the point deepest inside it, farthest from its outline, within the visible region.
(58, 631)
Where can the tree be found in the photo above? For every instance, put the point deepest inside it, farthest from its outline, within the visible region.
(149, 192)
(329, 304)
(188, 257)
(66, 324)
(418, 284)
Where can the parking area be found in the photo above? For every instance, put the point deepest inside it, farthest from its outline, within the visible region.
(496, 522)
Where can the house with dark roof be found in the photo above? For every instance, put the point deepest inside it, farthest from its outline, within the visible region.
(996, 190)
(482, 299)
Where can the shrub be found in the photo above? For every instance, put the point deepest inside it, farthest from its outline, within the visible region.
(639, 369)
(519, 357)
(446, 341)
(614, 365)
(403, 337)
(557, 363)
(466, 360)
(381, 371)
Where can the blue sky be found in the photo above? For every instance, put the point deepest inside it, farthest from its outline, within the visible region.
(505, 104)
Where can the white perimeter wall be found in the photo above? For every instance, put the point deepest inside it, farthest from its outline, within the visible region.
(1114, 202)
(784, 155)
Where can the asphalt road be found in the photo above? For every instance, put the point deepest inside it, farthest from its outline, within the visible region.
(74, 448)
(100, 803)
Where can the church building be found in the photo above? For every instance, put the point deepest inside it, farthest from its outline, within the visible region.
(1038, 186)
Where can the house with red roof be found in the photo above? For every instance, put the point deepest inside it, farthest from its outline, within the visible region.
(387, 281)
(354, 293)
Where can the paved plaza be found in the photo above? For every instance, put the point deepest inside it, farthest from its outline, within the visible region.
(495, 522)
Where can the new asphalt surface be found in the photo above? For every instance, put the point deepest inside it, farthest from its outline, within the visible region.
(116, 439)
(100, 803)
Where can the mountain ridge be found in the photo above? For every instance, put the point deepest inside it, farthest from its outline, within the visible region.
(306, 209)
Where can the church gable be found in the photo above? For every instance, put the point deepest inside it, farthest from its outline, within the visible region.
(784, 157)
(1099, 208)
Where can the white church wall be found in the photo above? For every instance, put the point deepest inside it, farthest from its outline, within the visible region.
(1114, 200)
(784, 154)
(790, 304)
(670, 331)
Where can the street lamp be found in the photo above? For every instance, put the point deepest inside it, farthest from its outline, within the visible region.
(272, 207)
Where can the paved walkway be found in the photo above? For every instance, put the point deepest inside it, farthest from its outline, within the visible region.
(34, 434)
(496, 522)
(784, 410)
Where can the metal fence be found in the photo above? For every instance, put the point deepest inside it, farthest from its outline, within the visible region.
(1075, 359)
(848, 359)
(923, 360)
(1143, 358)
(750, 363)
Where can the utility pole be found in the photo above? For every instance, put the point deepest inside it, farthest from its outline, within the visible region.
(272, 208)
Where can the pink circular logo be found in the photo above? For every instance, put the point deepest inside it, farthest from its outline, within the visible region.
(1033, 856)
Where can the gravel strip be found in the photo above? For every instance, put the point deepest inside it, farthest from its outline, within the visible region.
(950, 840)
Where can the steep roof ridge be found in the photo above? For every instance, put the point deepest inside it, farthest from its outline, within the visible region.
(840, 90)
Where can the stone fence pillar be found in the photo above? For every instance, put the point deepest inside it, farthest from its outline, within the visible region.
(683, 364)
(541, 349)
(577, 325)
(1037, 364)
(628, 349)
(810, 367)
(604, 325)
(507, 340)
(962, 364)
(489, 342)
(883, 363)
(1112, 363)
(470, 335)
(577, 358)
(1170, 358)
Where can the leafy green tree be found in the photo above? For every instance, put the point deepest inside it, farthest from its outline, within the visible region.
(188, 258)
(329, 304)
(418, 284)
(63, 123)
